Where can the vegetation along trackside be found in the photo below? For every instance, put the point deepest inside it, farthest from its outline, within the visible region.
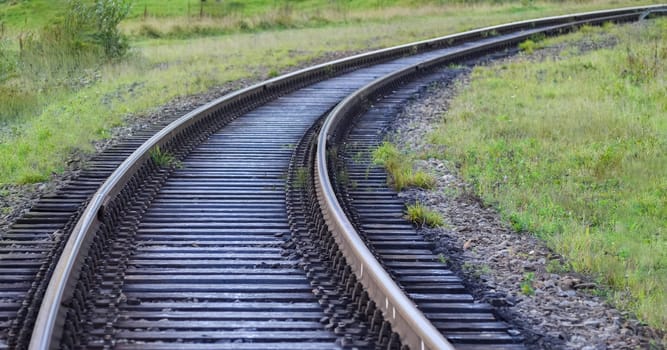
(571, 143)
(401, 168)
(70, 71)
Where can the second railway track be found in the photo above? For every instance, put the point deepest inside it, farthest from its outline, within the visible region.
(189, 243)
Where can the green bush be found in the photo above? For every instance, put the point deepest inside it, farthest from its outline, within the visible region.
(55, 56)
(98, 24)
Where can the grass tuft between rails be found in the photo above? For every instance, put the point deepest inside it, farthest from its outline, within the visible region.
(574, 149)
(421, 215)
(400, 168)
(164, 159)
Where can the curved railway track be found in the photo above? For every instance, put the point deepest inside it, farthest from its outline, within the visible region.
(234, 226)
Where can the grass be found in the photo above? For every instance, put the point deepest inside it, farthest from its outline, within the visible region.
(164, 159)
(421, 215)
(55, 92)
(400, 167)
(22, 15)
(301, 179)
(527, 284)
(528, 46)
(574, 149)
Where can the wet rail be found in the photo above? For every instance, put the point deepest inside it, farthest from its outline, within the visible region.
(187, 243)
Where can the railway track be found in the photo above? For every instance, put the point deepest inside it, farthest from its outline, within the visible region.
(225, 229)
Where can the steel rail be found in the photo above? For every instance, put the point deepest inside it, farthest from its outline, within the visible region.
(407, 320)
(48, 325)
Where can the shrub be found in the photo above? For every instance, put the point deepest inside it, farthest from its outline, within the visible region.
(98, 23)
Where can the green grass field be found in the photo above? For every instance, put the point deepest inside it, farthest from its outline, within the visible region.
(574, 149)
(28, 14)
(55, 104)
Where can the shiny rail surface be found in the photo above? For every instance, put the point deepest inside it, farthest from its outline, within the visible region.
(413, 327)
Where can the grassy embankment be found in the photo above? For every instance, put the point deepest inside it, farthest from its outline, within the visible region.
(55, 103)
(574, 149)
